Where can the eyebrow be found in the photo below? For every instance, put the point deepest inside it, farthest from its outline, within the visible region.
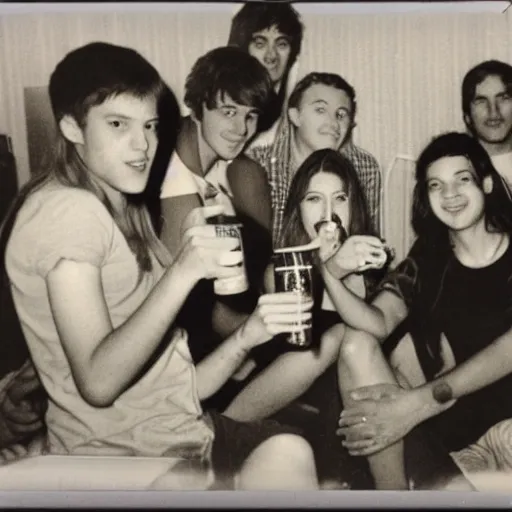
(461, 171)
(236, 105)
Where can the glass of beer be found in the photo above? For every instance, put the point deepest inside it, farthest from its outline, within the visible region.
(292, 273)
(229, 226)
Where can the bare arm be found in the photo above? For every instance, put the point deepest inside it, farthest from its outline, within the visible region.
(274, 314)
(378, 318)
(484, 368)
(104, 360)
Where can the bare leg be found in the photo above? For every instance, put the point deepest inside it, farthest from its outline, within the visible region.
(361, 363)
(286, 379)
(284, 462)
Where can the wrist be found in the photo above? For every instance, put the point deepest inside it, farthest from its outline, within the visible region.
(248, 337)
(335, 270)
(427, 403)
(183, 276)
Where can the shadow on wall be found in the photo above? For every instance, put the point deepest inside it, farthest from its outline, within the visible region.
(41, 130)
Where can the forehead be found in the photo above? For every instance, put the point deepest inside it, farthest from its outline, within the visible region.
(322, 181)
(269, 33)
(490, 86)
(331, 95)
(223, 99)
(448, 166)
(128, 105)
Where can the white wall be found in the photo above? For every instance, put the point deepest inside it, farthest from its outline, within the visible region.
(406, 68)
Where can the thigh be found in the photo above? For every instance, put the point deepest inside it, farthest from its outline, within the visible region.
(234, 441)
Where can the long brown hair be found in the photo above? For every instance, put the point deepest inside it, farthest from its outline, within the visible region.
(331, 161)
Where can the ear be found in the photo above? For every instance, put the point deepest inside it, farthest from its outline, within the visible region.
(467, 121)
(70, 129)
(487, 185)
(294, 116)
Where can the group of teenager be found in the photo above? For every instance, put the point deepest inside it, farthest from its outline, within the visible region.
(137, 355)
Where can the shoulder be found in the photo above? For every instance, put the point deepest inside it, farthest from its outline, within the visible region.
(260, 154)
(61, 222)
(57, 204)
(360, 156)
(245, 172)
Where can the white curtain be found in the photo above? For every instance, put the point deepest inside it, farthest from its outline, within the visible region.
(406, 68)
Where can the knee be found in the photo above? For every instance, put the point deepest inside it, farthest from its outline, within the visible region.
(289, 452)
(290, 447)
(358, 346)
(282, 462)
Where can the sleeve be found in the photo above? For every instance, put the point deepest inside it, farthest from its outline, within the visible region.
(373, 191)
(402, 280)
(178, 181)
(72, 225)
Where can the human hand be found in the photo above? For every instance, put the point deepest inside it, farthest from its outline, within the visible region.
(21, 413)
(203, 253)
(276, 313)
(357, 254)
(381, 415)
(329, 236)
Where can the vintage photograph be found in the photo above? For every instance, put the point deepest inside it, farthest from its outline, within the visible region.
(256, 246)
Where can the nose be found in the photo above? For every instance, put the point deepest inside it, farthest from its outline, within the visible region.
(450, 190)
(140, 139)
(494, 109)
(327, 210)
(240, 126)
(270, 54)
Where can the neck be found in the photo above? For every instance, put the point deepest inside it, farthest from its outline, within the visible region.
(193, 150)
(500, 148)
(299, 151)
(476, 247)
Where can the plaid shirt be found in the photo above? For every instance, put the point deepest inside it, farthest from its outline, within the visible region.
(277, 164)
(369, 174)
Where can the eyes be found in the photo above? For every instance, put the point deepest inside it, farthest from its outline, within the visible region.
(435, 185)
(482, 101)
(261, 43)
(122, 125)
(317, 198)
(341, 114)
(231, 112)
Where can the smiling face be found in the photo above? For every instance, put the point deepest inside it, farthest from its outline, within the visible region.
(491, 112)
(272, 48)
(325, 195)
(117, 142)
(323, 118)
(227, 128)
(454, 194)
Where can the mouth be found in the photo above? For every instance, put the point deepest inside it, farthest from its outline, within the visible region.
(454, 208)
(494, 124)
(138, 165)
(333, 135)
(234, 143)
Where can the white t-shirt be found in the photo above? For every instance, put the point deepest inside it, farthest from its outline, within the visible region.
(503, 164)
(159, 415)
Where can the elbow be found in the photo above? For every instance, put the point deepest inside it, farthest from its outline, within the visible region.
(97, 393)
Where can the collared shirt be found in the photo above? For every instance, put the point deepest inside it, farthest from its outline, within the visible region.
(277, 162)
(369, 174)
